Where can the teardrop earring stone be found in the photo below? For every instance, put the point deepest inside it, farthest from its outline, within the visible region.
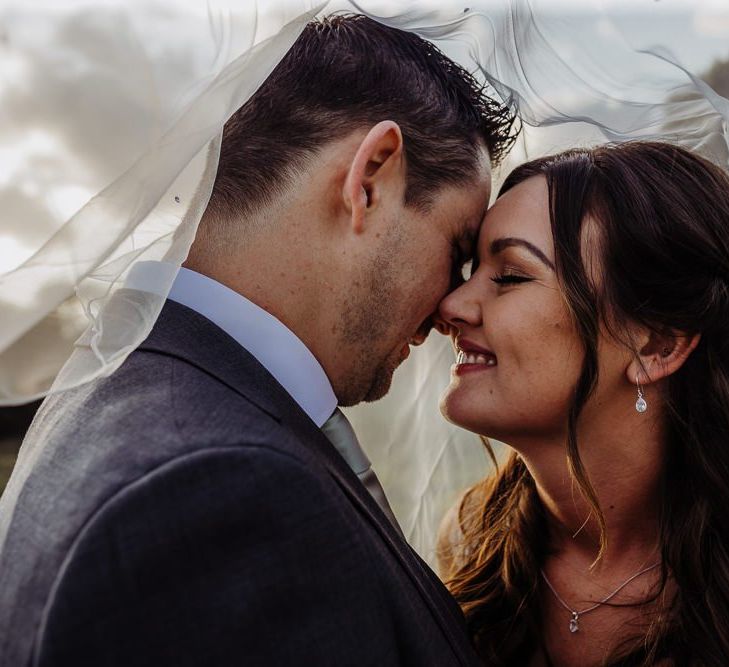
(641, 405)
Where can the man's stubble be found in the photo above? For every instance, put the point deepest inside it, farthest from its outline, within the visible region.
(369, 325)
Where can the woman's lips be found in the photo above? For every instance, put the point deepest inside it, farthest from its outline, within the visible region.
(473, 358)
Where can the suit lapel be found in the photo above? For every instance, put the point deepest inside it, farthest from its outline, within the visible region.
(185, 334)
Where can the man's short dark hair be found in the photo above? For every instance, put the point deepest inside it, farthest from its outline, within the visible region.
(345, 72)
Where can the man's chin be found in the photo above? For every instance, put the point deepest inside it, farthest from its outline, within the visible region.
(382, 381)
(377, 391)
(379, 384)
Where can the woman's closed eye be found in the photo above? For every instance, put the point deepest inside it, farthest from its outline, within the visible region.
(510, 279)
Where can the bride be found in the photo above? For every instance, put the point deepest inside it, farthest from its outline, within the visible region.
(592, 337)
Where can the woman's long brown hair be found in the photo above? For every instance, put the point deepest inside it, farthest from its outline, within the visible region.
(663, 250)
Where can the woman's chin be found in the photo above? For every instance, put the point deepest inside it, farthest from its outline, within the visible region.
(463, 415)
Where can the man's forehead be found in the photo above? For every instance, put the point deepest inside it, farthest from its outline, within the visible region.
(472, 224)
(463, 207)
(468, 231)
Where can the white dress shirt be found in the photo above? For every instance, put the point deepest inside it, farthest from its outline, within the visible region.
(275, 346)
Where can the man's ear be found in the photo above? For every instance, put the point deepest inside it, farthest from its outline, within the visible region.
(377, 157)
(662, 355)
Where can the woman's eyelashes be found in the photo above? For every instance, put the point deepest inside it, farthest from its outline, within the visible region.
(506, 278)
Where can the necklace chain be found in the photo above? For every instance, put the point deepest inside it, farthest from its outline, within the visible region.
(574, 625)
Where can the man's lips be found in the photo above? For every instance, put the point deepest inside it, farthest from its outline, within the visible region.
(473, 357)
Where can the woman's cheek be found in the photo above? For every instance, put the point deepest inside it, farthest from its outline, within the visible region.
(541, 354)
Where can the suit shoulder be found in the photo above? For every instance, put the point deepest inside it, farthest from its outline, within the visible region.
(239, 526)
(203, 498)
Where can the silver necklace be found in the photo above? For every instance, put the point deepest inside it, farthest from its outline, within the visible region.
(575, 620)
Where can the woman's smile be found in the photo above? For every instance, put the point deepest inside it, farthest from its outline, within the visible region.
(471, 358)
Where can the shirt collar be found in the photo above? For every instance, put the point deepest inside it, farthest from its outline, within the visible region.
(270, 341)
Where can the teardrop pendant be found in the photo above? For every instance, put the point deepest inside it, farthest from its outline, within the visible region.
(574, 622)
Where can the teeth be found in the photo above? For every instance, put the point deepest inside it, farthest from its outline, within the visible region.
(473, 358)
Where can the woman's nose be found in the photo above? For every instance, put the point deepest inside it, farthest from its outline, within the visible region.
(457, 310)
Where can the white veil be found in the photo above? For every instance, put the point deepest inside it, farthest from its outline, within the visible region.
(111, 119)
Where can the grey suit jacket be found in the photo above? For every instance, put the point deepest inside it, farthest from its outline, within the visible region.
(185, 511)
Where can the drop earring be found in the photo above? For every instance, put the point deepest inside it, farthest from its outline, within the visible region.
(640, 404)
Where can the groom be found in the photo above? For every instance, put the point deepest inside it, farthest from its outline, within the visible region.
(208, 504)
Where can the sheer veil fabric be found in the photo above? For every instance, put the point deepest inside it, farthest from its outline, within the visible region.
(111, 122)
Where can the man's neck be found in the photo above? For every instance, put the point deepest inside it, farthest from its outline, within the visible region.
(301, 289)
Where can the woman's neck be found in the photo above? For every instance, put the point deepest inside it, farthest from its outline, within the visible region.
(622, 458)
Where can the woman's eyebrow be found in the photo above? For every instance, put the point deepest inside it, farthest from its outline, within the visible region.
(499, 245)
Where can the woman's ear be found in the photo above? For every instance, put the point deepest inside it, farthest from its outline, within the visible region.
(661, 356)
(374, 162)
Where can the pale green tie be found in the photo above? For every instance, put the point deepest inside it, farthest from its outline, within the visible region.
(341, 434)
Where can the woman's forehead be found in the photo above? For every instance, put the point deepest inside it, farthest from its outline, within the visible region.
(524, 209)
